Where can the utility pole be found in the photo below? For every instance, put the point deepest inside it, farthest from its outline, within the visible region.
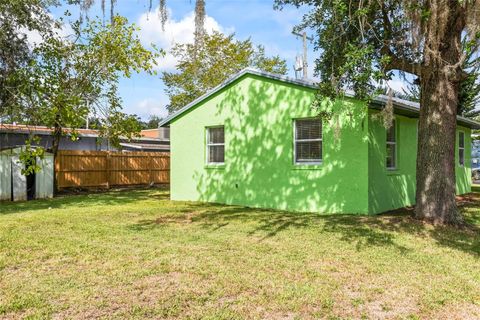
(305, 63)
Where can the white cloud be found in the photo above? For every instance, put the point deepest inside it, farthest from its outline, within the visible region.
(176, 31)
(149, 106)
(34, 38)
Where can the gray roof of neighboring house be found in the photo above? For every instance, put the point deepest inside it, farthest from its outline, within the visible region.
(403, 106)
(146, 146)
(42, 130)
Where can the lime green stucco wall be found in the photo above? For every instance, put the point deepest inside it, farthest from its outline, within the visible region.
(259, 169)
(258, 117)
(392, 189)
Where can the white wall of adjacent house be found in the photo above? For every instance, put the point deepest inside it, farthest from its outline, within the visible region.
(14, 185)
(5, 177)
(44, 178)
(19, 181)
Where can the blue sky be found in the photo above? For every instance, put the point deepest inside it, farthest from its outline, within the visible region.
(144, 95)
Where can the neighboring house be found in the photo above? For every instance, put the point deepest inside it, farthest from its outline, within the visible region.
(475, 151)
(475, 158)
(256, 141)
(162, 133)
(88, 140)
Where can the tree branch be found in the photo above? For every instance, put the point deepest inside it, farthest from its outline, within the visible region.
(395, 63)
(400, 64)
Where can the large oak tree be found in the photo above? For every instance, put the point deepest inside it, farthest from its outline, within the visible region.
(361, 42)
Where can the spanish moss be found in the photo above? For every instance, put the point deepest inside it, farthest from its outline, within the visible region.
(112, 10)
(162, 11)
(103, 11)
(199, 21)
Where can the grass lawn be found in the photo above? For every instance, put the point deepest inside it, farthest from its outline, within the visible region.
(135, 254)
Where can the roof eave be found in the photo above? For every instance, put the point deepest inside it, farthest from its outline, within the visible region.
(410, 111)
(230, 80)
(404, 106)
(142, 147)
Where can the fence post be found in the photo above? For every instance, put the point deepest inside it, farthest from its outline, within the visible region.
(107, 169)
(56, 172)
(150, 164)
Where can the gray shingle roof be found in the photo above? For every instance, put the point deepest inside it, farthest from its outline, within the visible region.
(402, 105)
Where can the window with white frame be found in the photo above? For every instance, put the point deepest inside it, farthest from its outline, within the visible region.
(308, 141)
(461, 148)
(391, 157)
(216, 145)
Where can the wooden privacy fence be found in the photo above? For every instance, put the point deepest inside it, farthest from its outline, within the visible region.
(105, 169)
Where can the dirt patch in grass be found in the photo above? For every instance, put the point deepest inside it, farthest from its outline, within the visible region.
(456, 311)
(149, 296)
(373, 299)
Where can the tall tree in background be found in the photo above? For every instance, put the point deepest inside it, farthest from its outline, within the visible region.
(469, 98)
(362, 42)
(16, 18)
(152, 123)
(200, 69)
(469, 95)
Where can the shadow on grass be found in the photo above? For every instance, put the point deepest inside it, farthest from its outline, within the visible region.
(112, 197)
(363, 231)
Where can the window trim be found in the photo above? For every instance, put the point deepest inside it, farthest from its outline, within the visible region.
(395, 144)
(312, 163)
(208, 145)
(461, 148)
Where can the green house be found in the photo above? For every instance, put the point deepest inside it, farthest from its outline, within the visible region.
(256, 141)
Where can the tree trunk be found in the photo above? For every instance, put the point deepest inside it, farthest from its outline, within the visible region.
(436, 151)
(439, 83)
(57, 136)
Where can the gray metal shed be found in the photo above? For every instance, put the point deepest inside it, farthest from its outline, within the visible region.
(15, 186)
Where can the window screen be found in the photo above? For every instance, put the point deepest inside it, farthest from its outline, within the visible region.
(308, 141)
(216, 145)
(391, 156)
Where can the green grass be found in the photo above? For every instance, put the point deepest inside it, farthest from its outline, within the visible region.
(135, 254)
